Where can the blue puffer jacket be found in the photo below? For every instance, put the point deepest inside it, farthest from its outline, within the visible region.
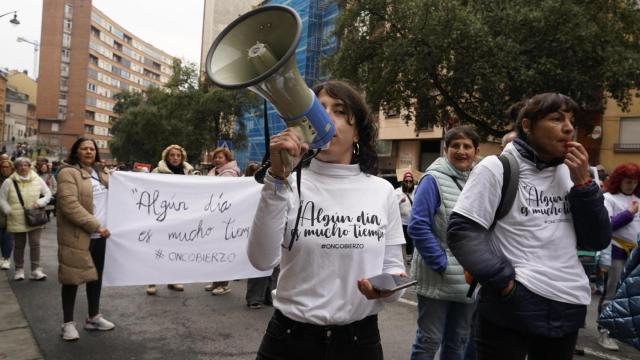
(622, 315)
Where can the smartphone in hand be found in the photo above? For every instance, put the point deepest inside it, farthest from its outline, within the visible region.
(390, 282)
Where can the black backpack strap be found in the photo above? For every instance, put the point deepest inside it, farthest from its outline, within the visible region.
(510, 180)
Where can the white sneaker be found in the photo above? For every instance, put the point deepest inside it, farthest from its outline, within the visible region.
(37, 275)
(98, 323)
(69, 332)
(19, 275)
(606, 342)
(5, 264)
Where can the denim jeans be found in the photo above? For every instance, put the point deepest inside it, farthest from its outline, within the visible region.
(259, 289)
(442, 325)
(287, 339)
(6, 238)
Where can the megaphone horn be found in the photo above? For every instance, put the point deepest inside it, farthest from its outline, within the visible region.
(256, 52)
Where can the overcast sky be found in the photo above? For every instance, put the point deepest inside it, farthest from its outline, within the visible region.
(173, 26)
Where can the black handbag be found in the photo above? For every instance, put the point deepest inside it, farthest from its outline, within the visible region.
(35, 216)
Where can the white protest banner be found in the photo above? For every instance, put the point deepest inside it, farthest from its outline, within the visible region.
(168, 229)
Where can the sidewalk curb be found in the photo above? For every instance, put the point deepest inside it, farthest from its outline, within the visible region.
(16, 339)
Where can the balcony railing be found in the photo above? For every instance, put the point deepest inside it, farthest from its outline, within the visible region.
(628, 148)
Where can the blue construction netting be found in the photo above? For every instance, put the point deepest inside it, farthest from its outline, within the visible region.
(316, 41)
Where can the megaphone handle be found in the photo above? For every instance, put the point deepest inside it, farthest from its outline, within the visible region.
(306, 136)
(286, 159)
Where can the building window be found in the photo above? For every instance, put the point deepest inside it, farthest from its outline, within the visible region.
(55, 127)
(66, 40)
(88, 129)
(89, 115)
(384, 148)
(64, 84)
(64, 70)
(66, 55)
(67, 25)
(95, 32)
(91, 87)
(629, 139)
(68, 11)
(8, 108)
(126, 38)
(62, 111)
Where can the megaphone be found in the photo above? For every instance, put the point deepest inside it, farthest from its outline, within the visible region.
(256, 52)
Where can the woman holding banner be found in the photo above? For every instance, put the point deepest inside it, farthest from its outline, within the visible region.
(174, 161)
(339, 228)
(224, 166)
(82, 233)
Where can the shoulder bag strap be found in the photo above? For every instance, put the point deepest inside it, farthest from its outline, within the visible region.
(15, 183)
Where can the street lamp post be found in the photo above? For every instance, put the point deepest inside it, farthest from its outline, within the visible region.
(36, 47)
(15, 20)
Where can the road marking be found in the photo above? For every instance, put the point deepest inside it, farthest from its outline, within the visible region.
(602, 355)
(408, 302)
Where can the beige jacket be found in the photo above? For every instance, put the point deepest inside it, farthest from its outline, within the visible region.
(76, 223)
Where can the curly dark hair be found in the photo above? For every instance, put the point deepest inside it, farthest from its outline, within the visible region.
(365, 123)
(628, 170)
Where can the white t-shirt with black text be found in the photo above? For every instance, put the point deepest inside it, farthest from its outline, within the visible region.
(349, 229)
(537, 235)
(617, 203)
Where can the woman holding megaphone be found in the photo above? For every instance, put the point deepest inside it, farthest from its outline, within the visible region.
(330, 230)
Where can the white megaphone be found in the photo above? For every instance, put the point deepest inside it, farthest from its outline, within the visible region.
(256, 51)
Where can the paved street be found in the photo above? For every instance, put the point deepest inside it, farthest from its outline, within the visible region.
(192, 324)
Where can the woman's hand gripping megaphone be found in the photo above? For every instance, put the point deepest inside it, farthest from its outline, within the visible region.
(286, 150)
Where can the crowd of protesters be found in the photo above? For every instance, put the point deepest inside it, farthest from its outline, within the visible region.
(491, 243)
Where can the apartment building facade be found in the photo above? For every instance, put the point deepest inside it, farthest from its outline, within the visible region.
(620, 133)
(19, 117)
(86, 58)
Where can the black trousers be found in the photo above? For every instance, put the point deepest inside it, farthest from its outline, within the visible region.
(287, 339)
(97, 249)
(494, 342)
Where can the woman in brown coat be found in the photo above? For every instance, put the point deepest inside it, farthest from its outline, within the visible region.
(82, 233)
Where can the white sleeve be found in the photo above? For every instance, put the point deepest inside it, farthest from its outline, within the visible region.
(268, 229)
(4, 196)
(394, 234)
(481, 194)
(608, 204)
(393, 264)
(44, 190)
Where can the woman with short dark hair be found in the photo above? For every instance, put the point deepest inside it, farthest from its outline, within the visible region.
(534, 293)
(444, 310)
